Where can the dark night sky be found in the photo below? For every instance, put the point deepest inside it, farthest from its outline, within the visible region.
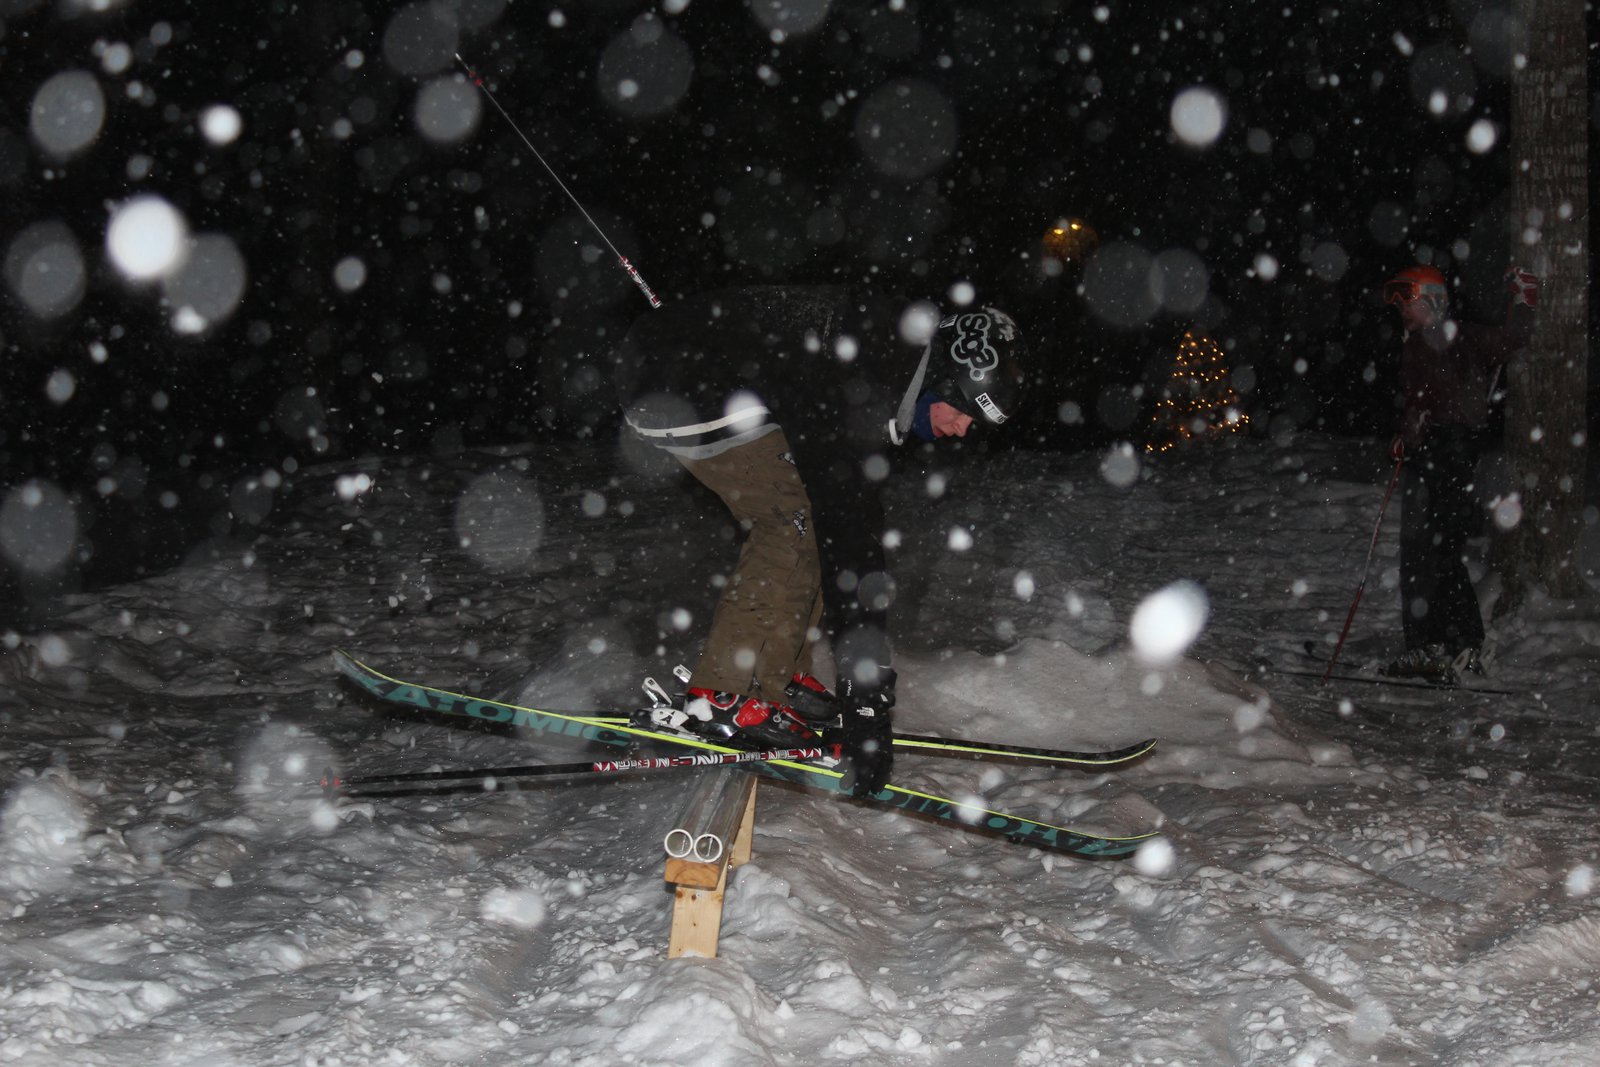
(484, 315)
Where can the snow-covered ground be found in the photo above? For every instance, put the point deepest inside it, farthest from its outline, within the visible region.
(1361, 875)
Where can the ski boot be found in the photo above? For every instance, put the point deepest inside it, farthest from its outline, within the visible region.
(733, 718)
(811, 702)
(1470, 660)
(1431, 663)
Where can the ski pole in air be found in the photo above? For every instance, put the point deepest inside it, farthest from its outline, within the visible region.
(1401, 462)
(633, 272)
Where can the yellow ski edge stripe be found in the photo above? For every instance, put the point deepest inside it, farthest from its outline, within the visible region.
(976, 810)
(582, 720)
(946, 746)
(1036, 757)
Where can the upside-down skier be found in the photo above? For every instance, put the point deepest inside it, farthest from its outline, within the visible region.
(789, 403)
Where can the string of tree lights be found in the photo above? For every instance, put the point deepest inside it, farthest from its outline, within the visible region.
(1198, 402)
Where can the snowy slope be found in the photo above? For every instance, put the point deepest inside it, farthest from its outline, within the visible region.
(1362, 875)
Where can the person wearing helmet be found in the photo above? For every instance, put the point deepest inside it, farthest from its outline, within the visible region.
(1448, 371)
(794, 404)
(968, 373)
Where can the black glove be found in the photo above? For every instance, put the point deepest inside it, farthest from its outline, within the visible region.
(866, 736)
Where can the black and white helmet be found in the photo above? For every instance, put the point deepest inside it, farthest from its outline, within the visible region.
(975, 364)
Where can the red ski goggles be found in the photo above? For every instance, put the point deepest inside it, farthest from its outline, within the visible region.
(1405, 290)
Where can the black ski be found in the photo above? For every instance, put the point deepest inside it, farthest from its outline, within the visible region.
(1460, 686)
(1457, 681)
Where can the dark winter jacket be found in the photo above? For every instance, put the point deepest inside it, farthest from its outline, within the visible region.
(712, 371)
(1445, 380)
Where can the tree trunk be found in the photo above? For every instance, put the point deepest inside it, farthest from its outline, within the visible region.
(1546, 441)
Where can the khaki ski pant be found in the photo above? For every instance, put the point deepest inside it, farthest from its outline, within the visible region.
(765, 625)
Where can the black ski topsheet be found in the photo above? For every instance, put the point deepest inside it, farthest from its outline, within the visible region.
(534, 721)
(1465, 685)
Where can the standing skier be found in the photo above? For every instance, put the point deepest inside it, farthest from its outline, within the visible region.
(787, 402)
(1447, 372)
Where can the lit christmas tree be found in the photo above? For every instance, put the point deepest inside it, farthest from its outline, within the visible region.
(1198, 402)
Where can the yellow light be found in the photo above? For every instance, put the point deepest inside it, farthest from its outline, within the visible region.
(1070, 240)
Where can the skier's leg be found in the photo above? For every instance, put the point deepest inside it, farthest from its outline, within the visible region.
(1416, 552)
(1460, 619)
(766, 621)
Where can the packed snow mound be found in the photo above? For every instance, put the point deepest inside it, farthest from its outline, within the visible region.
(1214, 727)
(44, 828)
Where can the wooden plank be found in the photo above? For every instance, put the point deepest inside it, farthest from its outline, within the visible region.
(739, 851)
(699, 889)
(697, 920)
(694, 874)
